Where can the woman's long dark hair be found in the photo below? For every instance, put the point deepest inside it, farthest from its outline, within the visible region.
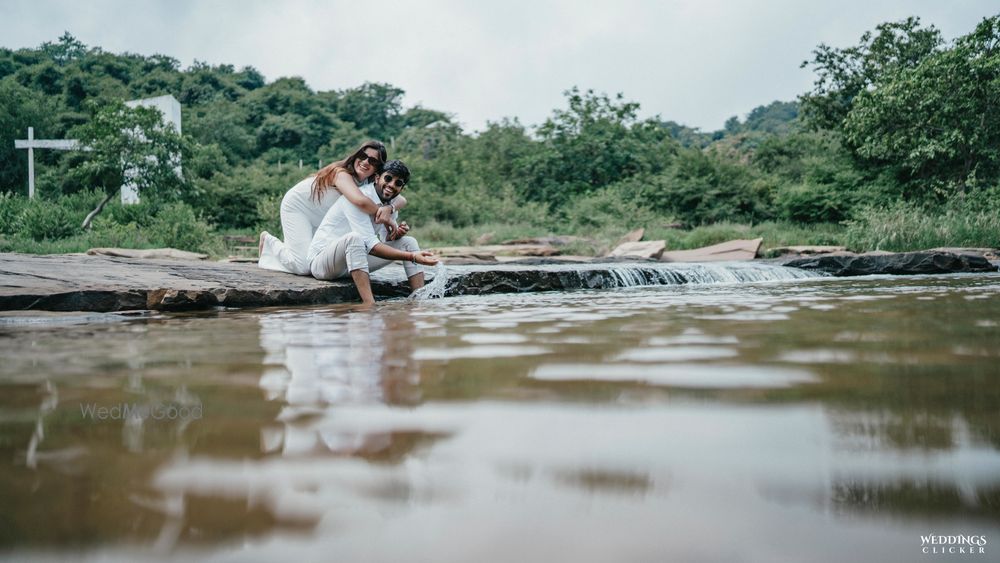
(328, 174)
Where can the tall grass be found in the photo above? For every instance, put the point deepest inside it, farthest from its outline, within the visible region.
(906, 227)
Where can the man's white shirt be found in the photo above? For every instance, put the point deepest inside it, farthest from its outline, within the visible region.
(345, 217)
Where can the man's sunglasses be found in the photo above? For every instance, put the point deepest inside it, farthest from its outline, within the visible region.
(393, 180)
(373, 160)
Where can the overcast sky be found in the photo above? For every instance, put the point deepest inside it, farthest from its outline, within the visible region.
(696, 62)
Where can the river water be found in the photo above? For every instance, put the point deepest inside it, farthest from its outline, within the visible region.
(796, 420)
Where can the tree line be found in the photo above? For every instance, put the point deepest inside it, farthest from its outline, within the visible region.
(903, 122)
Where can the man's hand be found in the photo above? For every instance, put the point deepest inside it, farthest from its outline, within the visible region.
(391, 227)
(400, 231)
(384, 215)
(424, 257)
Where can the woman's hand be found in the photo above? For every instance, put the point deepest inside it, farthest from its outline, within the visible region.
(424, 257)
(391, 227)
(384, 215)
(345, 184)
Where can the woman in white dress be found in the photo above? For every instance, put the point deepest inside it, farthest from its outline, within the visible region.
(303, 207)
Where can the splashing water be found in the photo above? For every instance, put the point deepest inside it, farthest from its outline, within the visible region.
(436, 288)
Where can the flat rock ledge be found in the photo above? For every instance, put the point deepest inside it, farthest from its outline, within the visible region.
(74, 282)
(897, 264)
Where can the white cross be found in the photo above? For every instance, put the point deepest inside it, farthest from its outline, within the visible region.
(168, 107)
(31, 143)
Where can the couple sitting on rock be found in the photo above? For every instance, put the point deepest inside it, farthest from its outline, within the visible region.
(331, 237)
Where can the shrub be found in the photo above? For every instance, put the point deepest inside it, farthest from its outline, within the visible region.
(46, 220)
(177, 226)
(708, 235)
(82, 202)
(705, 188)
(471, 205)
(11, 207)
(269, 215)
(814, 203)
(140, 214)
(230, 199)
(616, 207)
(106, 233)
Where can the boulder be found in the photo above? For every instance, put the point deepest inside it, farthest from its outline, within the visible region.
(101, 283)
(561, 240)
(632, 236)
(644, 249)
(471, 259)
(790, 251)
(898, 264)
(496, 249)
(542, 260)
(988, 253)
(149, 253)
(726, 251)
(484, 238)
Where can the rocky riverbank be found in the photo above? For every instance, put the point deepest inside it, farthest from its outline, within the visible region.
(897, 264)
(107, 283)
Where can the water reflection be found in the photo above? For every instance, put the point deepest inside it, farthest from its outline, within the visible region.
(821, 420)
(316, 362)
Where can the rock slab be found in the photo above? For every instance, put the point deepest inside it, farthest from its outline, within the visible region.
(646, 249)
(740, 249)
(74, 282)
(897, 264)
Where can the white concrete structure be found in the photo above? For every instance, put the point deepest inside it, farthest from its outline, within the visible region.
(170, 108)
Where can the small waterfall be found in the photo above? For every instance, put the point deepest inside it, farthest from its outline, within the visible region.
(481, 280)
(633, 275)
(436, 288)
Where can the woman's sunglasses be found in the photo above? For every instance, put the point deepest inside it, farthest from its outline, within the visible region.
(373, 160)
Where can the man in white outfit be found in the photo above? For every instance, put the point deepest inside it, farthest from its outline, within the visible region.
(347, 241)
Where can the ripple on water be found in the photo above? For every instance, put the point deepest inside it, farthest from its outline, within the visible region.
(497, 351)
(819, 356)
(745, 316)
(678, 375)
(692, 337)
(494, 338)
(494, 324)
(675, 354)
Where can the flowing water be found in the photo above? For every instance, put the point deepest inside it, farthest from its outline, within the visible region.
(793, 420)
(436, 287)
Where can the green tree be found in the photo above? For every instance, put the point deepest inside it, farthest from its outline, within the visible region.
(128, 145)
(843, 74)
(702, 187)
(419, 116)
(67, 48)
(20, 108)
(777, 117)
(373, 107)
(938, 122)
(223, 123)
(596, 141)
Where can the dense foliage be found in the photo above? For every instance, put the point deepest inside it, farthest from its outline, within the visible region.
(904, 122)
